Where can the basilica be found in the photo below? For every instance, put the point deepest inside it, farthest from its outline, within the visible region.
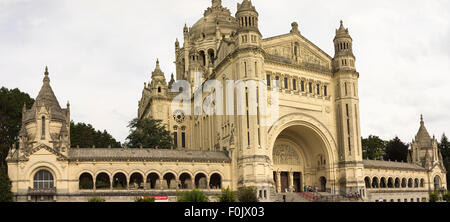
(313, 140)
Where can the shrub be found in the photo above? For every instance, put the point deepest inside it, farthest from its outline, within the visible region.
(227, 196)
(247, 194)
(96, 199)
(192, 196)
(434, 196)
(446, 196)
(145, 199)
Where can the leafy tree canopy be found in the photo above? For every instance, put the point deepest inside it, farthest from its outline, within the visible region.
(444, 147)
(5, 186)
(373, 147)
(11, 104)
(396, 150)
(247, 194)
(85, 136)
(192, 196)
(227, 195)
(149, 133)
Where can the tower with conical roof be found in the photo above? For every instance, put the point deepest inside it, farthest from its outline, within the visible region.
(46, 123)
(424, 148)
(347, 109)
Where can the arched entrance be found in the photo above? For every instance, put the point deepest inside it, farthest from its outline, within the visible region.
(301, 156)
(323, 184)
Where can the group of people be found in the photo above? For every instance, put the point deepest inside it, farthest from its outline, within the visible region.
(307, 188)
(353, 195)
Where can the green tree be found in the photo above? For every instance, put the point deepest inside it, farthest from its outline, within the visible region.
(192, 196)
(444, 148)
(227, 195)
(446, 196)
(85, 136)
(373, 147)
(149, 133)
(396, 150)
(11, 104)
(5, 186)
(434, 196)
(247, 194)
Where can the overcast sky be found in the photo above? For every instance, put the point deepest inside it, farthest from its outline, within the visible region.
(100, 53)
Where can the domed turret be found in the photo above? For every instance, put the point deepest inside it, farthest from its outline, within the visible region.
(215, 17)
(343, 57)
(247, 16)
(248, 32)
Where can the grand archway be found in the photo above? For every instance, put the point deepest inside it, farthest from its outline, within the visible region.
(303, 154)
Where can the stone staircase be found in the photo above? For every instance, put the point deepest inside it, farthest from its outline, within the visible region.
(290, 197)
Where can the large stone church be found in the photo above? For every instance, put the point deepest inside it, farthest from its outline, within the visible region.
(314, 140)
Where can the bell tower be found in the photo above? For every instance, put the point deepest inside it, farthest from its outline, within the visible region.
(347, 111)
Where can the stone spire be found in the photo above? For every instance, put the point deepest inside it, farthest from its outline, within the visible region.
(46, 96)
(423, 137)
(46, 78)
(342, 31)
(157, 71)
(216, 3)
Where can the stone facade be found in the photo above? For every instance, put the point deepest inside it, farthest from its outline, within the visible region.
(314, 141)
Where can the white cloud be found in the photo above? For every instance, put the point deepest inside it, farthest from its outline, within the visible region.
(100, 53)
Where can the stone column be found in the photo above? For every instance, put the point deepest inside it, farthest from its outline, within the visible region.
(291, 180)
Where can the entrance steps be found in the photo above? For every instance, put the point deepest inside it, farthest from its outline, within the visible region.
(290, 197)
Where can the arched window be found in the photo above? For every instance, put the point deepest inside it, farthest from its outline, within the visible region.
(203, 58)
(185, 181)
(437, 183)
(416, 183)
(169, 181)
(136, 181)
(43, 127)
(410, 182)
(43, 180)
(390, 183)
(102, 181)
(200, 181)
(422, 183)
(119, 181)
(215, 181)
(375, 182)
(383, 182)
(153, 181)
(85, 182)
(397, 183)
(367, 181)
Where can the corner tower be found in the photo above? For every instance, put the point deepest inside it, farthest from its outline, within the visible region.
(251, 154)
(46, 123)
(247, 19)
(347, 111)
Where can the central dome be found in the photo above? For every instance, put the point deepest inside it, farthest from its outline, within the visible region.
(216, 15)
